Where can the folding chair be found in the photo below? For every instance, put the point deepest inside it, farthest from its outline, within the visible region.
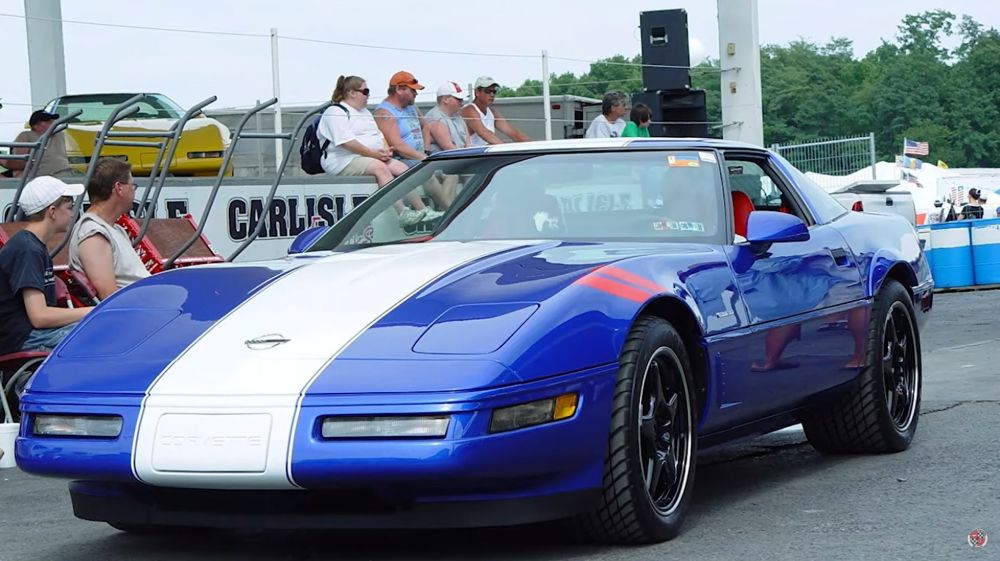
(15, 371)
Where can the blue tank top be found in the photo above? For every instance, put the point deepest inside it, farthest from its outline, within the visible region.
(408, 124)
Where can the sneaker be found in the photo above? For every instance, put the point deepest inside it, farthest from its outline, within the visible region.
(431, 215)
(410, 217)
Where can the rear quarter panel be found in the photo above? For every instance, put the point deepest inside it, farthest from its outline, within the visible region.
(887, 244)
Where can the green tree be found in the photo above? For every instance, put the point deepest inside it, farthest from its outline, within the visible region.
(912, 86)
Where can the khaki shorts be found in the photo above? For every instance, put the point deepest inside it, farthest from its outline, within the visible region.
(357, 166)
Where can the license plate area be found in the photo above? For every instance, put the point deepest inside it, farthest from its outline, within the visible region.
(236, 443)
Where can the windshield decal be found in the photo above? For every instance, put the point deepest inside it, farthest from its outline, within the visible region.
(682, 160)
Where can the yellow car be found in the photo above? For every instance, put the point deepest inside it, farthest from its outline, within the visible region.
(199, 153)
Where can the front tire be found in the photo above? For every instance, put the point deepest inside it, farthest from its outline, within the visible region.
(650, 463)
(879, 415)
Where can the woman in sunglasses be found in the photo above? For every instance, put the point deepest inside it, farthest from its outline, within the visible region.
(354, 146)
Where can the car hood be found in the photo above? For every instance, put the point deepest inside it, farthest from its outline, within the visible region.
(438, 316)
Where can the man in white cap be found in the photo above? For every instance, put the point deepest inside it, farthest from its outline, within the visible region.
(483, 120)
(445, 126)
(29, 318)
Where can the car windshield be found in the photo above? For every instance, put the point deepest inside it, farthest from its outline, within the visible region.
(625, 195)
(97, 108)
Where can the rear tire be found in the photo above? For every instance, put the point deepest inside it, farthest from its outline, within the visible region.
(650, 463)
(880, 414)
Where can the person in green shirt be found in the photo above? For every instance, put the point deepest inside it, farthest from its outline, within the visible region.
(639, 119)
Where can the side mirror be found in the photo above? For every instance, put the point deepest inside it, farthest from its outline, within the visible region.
(306, 239)
(767, 227)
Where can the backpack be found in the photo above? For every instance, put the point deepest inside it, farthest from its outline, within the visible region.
(310, 150)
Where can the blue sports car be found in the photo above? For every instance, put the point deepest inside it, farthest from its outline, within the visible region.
(563, 329)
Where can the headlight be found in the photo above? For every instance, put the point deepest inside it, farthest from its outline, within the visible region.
(385, 427)
(102, 426)
(201, 155)
(533, 413)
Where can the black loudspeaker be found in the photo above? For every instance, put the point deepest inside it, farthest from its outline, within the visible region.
(665, 43)
(676, 113)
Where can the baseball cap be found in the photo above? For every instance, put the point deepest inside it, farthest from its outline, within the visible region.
(403, 78)
(485, 82)
(451, 89)
(40, 116)
(42, 191)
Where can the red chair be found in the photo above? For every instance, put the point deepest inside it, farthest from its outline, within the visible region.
(15, 371)
(742, 207)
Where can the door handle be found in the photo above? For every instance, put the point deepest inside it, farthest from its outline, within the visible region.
(839, 256)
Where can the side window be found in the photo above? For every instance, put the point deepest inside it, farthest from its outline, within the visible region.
(758, 181)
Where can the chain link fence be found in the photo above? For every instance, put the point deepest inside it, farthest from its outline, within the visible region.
(837, 157)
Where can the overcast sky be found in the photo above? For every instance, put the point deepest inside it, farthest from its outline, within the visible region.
(190, 67)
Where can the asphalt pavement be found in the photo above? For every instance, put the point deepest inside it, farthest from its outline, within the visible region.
(770, 498)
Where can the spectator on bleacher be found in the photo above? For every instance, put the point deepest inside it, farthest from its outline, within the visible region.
(98, 247)
(445, 127)
(29, 317)
(484, 120)
(639, 119)
(54, 161)
(358, 147)
(609, 124)
(972, 210)
(446, 130)
(399, 121)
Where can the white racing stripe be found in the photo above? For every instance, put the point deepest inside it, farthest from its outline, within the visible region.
(222, 415)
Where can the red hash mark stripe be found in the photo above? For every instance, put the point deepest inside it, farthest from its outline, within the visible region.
(630, 278)
(615, 288)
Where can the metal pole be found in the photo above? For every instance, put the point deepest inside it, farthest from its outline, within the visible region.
(546, 98)
(276, 87)
(46, 61)
(260, 151)
(871, 144)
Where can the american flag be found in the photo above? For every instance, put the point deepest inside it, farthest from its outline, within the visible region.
(914, 148)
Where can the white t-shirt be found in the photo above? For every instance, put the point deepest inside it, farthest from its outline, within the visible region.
(601, 128)
(339, 127)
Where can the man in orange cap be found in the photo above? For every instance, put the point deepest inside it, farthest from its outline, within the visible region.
(399, 121)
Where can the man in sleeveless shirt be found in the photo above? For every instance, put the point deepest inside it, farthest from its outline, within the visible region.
(400, 122)
(99, 247)
(484, 120)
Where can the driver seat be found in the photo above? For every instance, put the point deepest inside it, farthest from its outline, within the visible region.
(742, 207)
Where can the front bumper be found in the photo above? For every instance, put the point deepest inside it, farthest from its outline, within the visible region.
(535, 473)
(348, 508)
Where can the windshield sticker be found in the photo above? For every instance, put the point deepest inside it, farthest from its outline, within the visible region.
(663, 225)
(683, 161)
(692, 226)
(707, 157)
(735, 170)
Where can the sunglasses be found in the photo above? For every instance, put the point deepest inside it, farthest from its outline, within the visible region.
(365, 91)
(491, 91)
